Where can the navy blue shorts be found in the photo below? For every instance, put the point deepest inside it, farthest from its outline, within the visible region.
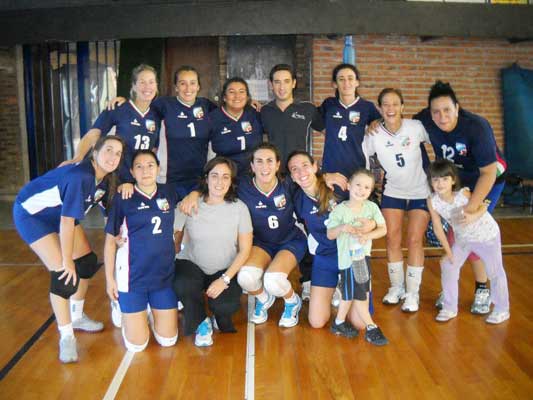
(297, 246)
(325, 271)
(161, 299)
(403, 204)
(34, 227)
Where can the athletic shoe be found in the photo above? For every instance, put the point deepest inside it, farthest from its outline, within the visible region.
(440, 301)
(497, 317)
(204, 334)
(375, 336)
(306, 291)
(410, 303)
(336, 299)
(260, 314)
(68, 351)
(86, 324)
(394, 295)
(445, 315)
(344, 329)
(116, 314)
(481, 304)
(289, 318)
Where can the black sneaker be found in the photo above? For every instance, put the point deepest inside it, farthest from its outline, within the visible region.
(375, 336)
(344, 329)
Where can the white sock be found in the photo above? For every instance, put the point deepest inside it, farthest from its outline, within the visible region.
(369, 327)
(262, 297)
(396, 276)
(293, 299)
(66, 330)
(76, 309)
(413, 278)
(339, 321)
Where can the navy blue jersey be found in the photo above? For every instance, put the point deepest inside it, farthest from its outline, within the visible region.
(68, 191)
(345, 131)
(235, 138)
(187, 135)
(272, 213)
(146, 259)
(316, 224)
(470, 146)
(139, 130)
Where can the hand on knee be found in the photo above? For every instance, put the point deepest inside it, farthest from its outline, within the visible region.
(277, 284)
(249, 278)
(59, 288)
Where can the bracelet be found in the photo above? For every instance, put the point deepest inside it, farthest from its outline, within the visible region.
(226, 279)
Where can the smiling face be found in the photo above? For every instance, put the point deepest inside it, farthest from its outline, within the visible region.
(187, 86)
(303, 172)
(265, 165)
(444, 113)
(108, 157)
(145, 170)
(235, 97)
(218, 181)
(346, 83)
(391, 108)
(283, 85)
(145, 87)
(360, 187)
(442, 185)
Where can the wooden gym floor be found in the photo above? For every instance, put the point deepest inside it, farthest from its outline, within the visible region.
(464, 358)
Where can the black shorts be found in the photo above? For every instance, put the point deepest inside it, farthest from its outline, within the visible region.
(355, 281)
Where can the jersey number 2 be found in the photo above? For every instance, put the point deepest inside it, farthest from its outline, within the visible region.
(157, 225)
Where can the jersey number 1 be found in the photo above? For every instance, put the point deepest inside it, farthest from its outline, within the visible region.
(192, 129)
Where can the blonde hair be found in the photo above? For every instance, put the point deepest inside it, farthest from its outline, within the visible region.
(135, 75)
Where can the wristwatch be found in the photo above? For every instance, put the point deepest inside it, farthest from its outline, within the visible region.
(226, 279)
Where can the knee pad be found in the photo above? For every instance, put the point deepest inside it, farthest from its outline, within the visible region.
(87, 265)
(134, 348)
(165, 341)
(249, 278)
(59, 288)
(277, 284)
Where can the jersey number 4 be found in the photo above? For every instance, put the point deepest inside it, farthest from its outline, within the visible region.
(343, 135)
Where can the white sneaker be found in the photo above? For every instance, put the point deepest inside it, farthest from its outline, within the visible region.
(336, 299)
(260, 314)
(86, 324)
(289, 318)
(204, 334)
(306, 290)
(481, 304)
(68, 351)
(411, 302)
(394, 295)
(445, 315)
(116, 314)
(497, 317)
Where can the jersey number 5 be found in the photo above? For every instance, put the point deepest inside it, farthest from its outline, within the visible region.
(157, 225)
(400, 161)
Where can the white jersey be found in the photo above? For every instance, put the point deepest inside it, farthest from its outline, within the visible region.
(401, 156)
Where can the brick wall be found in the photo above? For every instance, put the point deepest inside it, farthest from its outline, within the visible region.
(12, 176)
(472, 66)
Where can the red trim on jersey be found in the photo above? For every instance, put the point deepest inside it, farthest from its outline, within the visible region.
(227, 114)
(263, 193)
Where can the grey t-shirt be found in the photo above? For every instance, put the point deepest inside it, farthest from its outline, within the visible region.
(213, 234)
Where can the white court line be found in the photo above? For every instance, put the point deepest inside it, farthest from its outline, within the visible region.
(249, 378)
(112, 390)
(504, 246)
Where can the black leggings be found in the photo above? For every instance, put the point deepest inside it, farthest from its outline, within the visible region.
(190, 284)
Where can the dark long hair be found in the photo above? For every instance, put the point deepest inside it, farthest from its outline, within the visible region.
(235, 79)
(231, 195)
(325, 196)
(340, 67)
(111, 180)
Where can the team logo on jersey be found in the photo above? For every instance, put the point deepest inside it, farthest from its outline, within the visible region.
(295, 115)
(354, 117)
(280, 201)
(246, 127)
(150, 125)
(198, 112)
(461, 148)
(182, 115)
(143, 206)
(163, 204)
(389, 144)
(98, 195)
(337, 115)
(314, 210)
(89, 199)
(135, 122)
(260, 205)
(225, 130)
(405, 142)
